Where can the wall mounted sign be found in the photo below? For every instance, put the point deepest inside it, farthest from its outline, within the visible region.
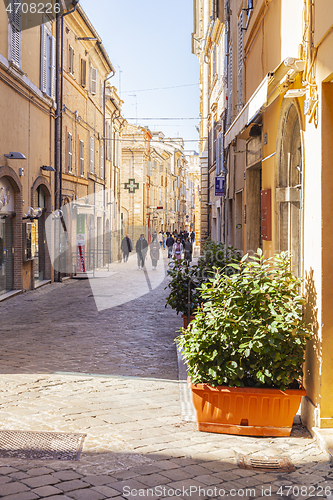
(131, 185)
(220, 186)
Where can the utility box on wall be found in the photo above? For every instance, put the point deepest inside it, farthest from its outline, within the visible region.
(266, 215)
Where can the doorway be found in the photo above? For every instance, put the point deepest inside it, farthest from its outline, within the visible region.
(6, 254)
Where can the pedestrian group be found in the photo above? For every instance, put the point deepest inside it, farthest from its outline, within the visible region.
(179, 245)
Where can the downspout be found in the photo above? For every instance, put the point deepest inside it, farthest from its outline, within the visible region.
(104, 160)
(225, 170)
(59, 102)
(62, 96)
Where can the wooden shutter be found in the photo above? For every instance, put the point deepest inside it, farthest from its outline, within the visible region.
(53, 67)
(102, 94)
(240, 60)
(83, 72)
(218, 157)
(70, 152)
(93, 86)
(230, 86)
(16, 34)
(91, 155)
(43, 65)
(81, 149)
(102, 161)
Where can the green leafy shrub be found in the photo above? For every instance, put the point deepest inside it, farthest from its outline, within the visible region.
(184, 276)
(217, 255)
(249, 330)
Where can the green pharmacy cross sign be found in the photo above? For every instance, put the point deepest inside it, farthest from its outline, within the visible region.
(131, 185)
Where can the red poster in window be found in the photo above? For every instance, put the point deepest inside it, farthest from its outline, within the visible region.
(266, 215)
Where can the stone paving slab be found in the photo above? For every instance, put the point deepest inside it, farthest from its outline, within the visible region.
(113, 376)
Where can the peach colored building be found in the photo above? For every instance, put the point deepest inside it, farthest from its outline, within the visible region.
(276, 157)
(27, 102)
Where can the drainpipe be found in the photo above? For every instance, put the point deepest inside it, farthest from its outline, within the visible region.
(104, 159)
(59, 103)
(225, 171)
(62, 95)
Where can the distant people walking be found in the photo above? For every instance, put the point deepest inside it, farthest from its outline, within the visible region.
(141, 248)
(188, 250)
(126, 247)
(169, 243)
(160, 238)
(177, 249)
(164, 239)
(192, 237)
(154, 252)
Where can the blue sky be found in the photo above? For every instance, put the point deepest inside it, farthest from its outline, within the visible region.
(150, 43)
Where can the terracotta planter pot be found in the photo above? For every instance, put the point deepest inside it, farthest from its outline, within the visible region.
(185, 318)
(245, 411)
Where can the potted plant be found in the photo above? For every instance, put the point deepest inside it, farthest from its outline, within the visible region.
(186, 279)
(245, 349)
(183, 296)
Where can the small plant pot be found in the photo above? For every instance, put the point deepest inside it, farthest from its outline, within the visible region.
(246, 411)
(185, 318)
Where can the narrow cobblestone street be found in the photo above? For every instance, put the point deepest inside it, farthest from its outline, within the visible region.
(113, 375)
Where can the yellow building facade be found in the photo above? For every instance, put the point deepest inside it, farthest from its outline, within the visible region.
(90, 146)
(278, 116)
(27, 102)
(153, 182)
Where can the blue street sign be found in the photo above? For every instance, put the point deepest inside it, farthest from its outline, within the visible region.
(220, 186)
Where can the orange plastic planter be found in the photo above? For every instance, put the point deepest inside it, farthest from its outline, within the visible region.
(245, 411)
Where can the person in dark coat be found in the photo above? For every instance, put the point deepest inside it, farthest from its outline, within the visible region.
(169, 243)
(192, 237)
(188, 250)
(154, 252)
(141, 251)
(126, 247)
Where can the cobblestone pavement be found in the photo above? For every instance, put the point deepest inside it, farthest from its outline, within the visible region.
(113, 375)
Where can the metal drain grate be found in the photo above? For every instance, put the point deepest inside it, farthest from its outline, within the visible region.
(265, 464)
(40, 445)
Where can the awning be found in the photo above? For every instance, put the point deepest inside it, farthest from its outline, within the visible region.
(253, 106)
(269, 89)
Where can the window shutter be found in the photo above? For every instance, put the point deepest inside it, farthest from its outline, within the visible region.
(91, 155)
(83, 72)
(16, 34)
(230, 86)
(53, 67)
(93, 86)
(70, 152)
(102, 94)
(71, 60)
(102, 161)
(81, 158)
(218, 156)
(43, 66)
(240, 60)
